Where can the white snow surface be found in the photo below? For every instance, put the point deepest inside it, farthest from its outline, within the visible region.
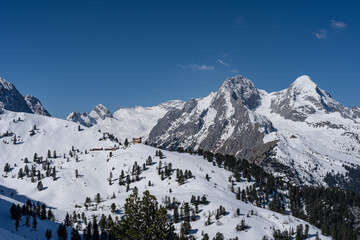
(127, 122)
(94, 169)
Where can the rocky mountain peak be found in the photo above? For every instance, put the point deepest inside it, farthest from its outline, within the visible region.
(304, 98)
(11, 98)
(36, 106)
(239, 87)
(303, 83)
(100, 111)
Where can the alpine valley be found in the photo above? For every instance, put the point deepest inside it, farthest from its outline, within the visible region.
(239, 163)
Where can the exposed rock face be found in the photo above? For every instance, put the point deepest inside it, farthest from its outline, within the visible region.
(356, 112)
(81, 118)
(222, 122)
(100, 112)
(11, 99)
(36, 106)
(303, 98)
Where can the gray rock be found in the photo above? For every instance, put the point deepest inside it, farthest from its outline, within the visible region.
(36, 106)
(224, 125)
(11, 99)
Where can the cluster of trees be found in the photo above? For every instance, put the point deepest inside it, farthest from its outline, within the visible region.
(328, 208)
(132, 177)
(300, 234)
(159, 154)
(349, 181)
(28, 211)
(182, 176)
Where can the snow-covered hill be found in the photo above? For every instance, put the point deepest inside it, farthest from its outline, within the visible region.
(125, 122)
(302, 127)
(66, 148)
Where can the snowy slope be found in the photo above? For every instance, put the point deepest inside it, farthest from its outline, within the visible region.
(94, 169)
(319, 135)
(125, 122)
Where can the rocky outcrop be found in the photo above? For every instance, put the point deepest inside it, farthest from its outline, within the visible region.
(11, 98)
(36, 106)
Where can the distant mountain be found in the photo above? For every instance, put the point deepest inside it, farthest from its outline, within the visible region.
(36, 106)
(125, 122)
(301, 131)
(303, 98)
(11, 99)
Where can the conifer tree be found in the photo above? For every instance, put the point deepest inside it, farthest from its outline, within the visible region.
(17, 224)
(144, 219)
(40, 186)
(48, 234)
(62, 232)
(34, 223)
(75, 235)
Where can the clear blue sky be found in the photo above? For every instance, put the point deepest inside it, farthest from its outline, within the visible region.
(73, 55)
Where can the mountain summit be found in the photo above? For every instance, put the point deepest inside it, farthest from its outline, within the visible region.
(303, 98)
(221, 122)
(100, 112)
(12, 100)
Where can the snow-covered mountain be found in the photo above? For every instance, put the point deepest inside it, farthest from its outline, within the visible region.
(125, 122)
(82, 173)
(302, 128)
(35, 105)
(11, 99)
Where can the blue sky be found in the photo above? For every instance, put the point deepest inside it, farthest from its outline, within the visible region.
(73, 55)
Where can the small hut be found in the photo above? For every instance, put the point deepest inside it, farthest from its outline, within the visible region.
(137, 140)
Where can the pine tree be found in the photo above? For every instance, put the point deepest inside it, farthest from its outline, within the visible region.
(95, 231)
(62, 232)
(40, 186)
(126, 142)
(144, 219)
(17, 224)
(75, 235)
(7, 168)
(67, 220)
(113, 207)
(102, 223)
(205, 237)
(48, 234)
(98, 198)
(34, 223)
(176, 214)
(43, 212)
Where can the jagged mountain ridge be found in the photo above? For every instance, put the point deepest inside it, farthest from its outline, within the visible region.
(35, 105)
(11, 99)
(125, 122)
(241, 120)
